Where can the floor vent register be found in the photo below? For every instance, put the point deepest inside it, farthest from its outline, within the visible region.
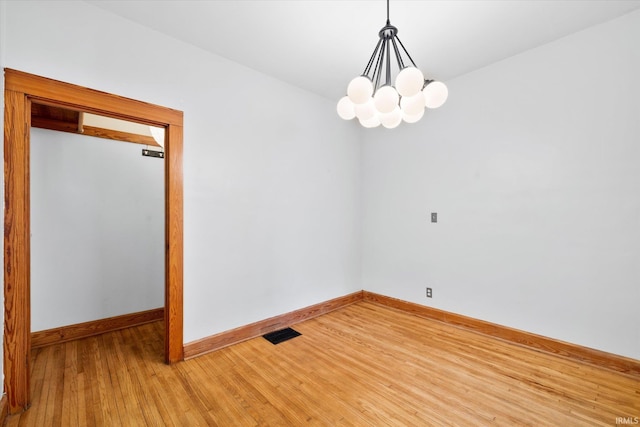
(281, 336)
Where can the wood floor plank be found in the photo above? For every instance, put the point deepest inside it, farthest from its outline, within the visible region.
(149, 413)
(70, 393)
(362, 365)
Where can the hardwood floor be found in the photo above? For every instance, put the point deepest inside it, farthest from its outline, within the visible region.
(363, 365)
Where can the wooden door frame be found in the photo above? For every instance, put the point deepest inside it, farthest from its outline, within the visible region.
(21, 89)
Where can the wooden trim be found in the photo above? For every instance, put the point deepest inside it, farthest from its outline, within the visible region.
(4, 409)
(253, 330)
(46, 116)
(174, 349)
(537, 342)
(55, 125)
(17, 269)
(20, 89)
(53, 92)
(94, 327)
(118, 135)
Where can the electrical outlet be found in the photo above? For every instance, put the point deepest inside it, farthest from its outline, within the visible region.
(434, 216)
(429, 293)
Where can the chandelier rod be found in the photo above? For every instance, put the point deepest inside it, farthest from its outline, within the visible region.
(397, 52)
(388, 22)
(388, 62)
(405, 51)
(378, 70)
(371, 60)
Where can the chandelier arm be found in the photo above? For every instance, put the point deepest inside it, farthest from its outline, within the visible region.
(375, 77)
(378, 70)
(398, 55)
(375, 71)
(405, 51)
(372, 59)
(388, 63)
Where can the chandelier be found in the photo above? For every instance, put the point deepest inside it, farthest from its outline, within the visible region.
(374, 101)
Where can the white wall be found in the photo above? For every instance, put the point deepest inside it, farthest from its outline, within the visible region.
(97, 229)
(272, 200)
(532, 166)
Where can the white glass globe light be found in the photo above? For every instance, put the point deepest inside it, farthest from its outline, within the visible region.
(365, 110)
(435, 94)
(360, 90)
(345, 108)
(372, 122)
(412, 105)
(392, 119)
(386, 99)
(409, 81)
(412, 118)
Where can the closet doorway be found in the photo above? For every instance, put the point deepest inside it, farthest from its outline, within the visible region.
(22, 92)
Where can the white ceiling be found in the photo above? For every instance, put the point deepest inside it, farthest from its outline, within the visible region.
(320, 45)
